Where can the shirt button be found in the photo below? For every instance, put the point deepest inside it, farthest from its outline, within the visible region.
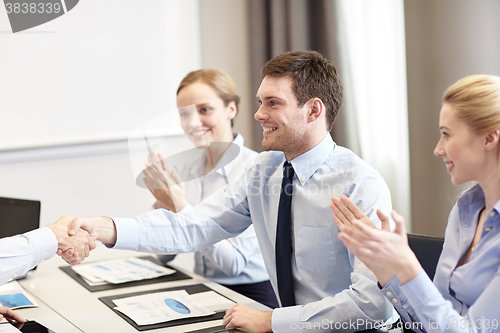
(487, 229)
(303, 179)
(394, 300)
(388, 293)
(492, 213)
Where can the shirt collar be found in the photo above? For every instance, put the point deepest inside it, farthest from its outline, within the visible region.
(199, 166)
(308, 163)
(475, 194)
(472, 195)
(238, 140)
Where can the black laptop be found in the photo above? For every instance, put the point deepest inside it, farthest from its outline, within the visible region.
(18, 216)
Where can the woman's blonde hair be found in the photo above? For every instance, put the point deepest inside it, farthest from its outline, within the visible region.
(476, 99)
(219, 81)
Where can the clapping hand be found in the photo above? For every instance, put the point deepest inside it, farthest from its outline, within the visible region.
(346, 212)
(386, 253)
(166, 186)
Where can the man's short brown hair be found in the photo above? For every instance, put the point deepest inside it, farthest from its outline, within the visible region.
(313, 76)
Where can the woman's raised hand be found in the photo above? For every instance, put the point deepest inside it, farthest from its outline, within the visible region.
(166, 186)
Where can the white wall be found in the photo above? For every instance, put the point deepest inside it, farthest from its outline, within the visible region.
(96, 72)
(80, 180)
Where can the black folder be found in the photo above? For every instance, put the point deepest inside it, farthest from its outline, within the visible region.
(193, 289)
(166, 278)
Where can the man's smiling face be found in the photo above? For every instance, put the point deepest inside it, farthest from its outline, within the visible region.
(284, 123)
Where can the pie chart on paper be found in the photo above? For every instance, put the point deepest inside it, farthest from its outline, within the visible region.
(177, 306)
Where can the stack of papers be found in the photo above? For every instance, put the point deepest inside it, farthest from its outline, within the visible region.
(12, 295)
(170, 305)
(120, 271)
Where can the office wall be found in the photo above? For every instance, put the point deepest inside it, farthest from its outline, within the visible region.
(72, 79)
(128, 54)
(81, 180)
(446, 40)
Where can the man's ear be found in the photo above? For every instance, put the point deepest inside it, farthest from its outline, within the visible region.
(316, 109)
(492, 139)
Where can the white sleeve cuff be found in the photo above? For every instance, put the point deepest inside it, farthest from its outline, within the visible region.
(396, 297)
(127, 234)
(286, 319)
(420, 290)
(186, 208)
(43, 242)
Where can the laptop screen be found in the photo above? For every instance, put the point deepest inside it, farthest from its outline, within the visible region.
(18, 216)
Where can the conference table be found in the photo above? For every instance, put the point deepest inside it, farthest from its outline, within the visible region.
(66, 306)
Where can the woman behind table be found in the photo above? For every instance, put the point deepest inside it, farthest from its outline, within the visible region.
(237, 262)
(465, 296)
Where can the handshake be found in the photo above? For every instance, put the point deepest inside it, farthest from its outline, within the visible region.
(77, 237)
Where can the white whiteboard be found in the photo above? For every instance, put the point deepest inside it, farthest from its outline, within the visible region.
(95, 73)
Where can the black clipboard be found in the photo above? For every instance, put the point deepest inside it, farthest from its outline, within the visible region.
(193, 289)
(167, 278)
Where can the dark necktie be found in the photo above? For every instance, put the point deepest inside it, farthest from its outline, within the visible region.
(284, 239)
